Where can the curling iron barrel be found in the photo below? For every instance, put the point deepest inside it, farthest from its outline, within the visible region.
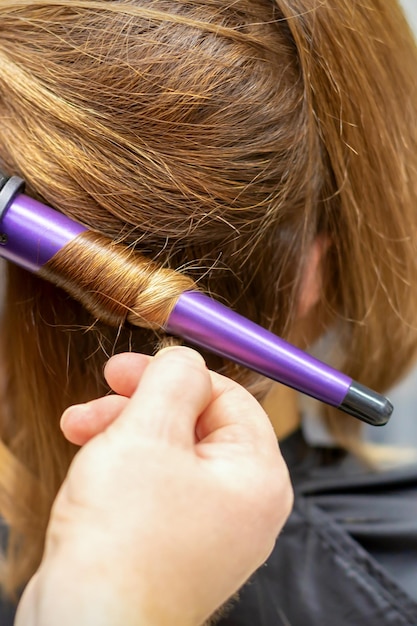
(32, 233)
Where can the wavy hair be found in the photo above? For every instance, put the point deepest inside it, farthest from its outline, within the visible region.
(219, 140)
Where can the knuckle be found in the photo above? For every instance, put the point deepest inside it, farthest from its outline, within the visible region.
(183, 368)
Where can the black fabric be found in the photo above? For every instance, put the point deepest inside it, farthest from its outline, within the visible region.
(346, 557)
(7, 612)
(348, 554)
(7, 609)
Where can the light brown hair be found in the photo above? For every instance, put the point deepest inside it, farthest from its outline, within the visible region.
(218, 140)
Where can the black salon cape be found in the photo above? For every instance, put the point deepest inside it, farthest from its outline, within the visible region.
(346, 557)
(348, 554)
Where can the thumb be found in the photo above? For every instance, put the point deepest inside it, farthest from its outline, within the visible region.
(174, 390)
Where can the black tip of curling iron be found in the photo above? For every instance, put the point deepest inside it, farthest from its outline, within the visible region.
(367, 405)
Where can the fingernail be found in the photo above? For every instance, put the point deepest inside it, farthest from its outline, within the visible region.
(106, 364)
(182, 351)
(78, 410)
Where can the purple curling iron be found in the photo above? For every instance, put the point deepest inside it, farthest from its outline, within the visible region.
(31, 234)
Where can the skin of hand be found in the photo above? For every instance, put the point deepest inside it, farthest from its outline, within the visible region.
(176, 496)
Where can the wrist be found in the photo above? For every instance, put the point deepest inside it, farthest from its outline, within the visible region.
(73, 585)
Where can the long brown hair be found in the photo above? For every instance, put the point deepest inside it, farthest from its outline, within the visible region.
(218, 140)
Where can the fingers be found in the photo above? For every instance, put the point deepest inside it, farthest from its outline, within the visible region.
(174, 390)
(82, 422)
(234, 414)
(123, 372)
(229, 412)
(168, 392)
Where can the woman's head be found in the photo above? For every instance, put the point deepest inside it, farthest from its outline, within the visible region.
(223, 140)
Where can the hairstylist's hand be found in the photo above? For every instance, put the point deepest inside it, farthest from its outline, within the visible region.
(167, 511)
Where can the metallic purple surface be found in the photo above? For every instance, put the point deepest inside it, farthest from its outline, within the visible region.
(207, 323)
(34, 232)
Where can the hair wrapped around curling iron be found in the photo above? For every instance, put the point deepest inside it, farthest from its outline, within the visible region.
(116, 284)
